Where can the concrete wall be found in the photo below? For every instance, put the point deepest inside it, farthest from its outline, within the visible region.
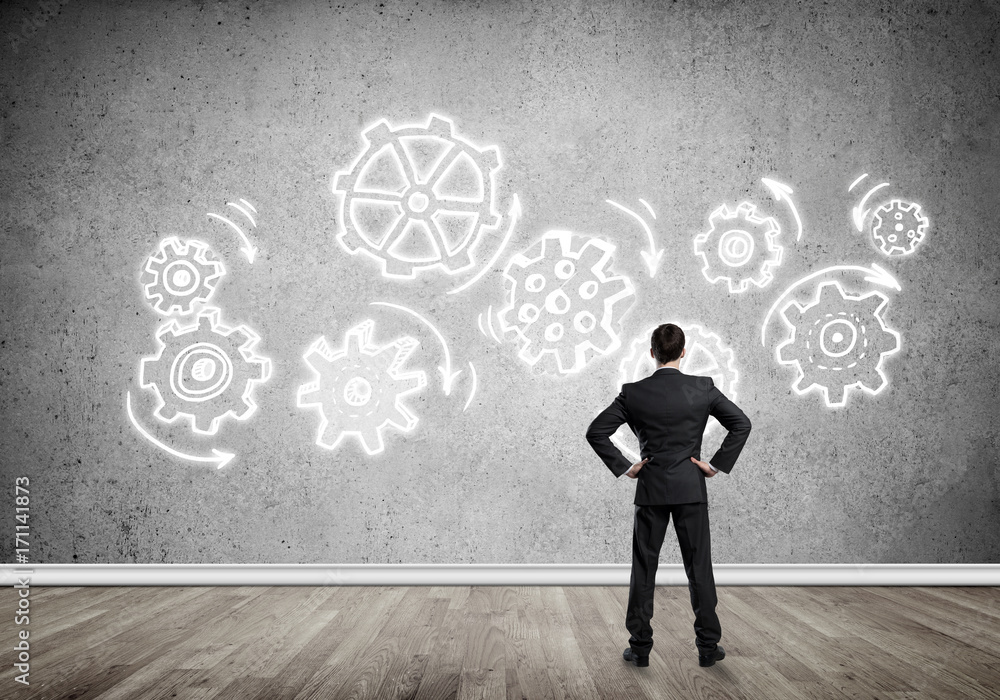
(126, 123)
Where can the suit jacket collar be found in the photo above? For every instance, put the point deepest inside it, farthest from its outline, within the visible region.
(667, 370)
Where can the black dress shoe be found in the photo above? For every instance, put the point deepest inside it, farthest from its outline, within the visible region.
(709, 659)
(634, 658)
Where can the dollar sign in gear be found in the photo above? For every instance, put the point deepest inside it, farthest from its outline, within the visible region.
(204, 372)
(898, 227)
(180, 274)
(418, 197)
(739, 248)
(838, 342)
(564, 304)
(359, 389)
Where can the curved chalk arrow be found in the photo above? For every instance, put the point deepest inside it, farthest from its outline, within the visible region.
(859, 212)
(445, 370)
(475, 382)
(875, 274)
(652, 256)
(219, 457)
(248, 248)
(514, 214)
(783, 192)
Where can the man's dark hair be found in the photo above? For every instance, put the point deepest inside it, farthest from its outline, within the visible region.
(667, 343)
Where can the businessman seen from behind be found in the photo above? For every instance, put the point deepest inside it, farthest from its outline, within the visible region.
(668, 411)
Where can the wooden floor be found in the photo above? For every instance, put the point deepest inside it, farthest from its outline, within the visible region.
(499, 642)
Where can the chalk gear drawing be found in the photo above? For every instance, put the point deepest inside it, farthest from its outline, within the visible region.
(359, 389)
(705, 356)
(565, 303)
(418, 197)
(838, 342)
(739, 248)
(898, 227)
(204, 372)
(179, 275)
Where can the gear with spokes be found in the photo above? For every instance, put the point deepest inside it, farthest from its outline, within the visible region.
(359, 389)
(418, 197)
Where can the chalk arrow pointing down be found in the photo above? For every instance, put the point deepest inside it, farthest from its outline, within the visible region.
(652, 256)
(447, 375)
(219, 458)
(248, 249)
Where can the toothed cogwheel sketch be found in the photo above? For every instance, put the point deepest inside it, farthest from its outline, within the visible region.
(705, 355)
(566, 303)
(739, 248)
(418, 197)
(898, 227)
(838, 342)
(204, 372)
(359, 389)
(180, 274)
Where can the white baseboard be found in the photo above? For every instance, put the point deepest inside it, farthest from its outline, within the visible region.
(491, 574)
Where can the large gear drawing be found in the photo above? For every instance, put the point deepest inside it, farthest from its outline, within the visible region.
(359, 389)
(838, 342)
(204, 372)
(567, 304)
(898, 227)
(705, 355)
(418, 197)
(180, 274)
(740, 247)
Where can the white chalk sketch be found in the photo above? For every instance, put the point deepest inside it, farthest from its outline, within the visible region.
(899, 227)
(740, 248)
(838, 342)
(566, 304)
(651, 257)
(783, 193)
(705, 355)
(447, 376)
(358, 389)
(204, 371)
(859, 213)
(418, 197)
(244, 207)
(180, 275)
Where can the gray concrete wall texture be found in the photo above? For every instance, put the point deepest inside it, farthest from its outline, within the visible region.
(127, 124)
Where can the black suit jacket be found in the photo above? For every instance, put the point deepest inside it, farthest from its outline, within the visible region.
(668, 411)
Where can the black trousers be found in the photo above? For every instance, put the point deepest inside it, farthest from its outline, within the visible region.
(691, 526)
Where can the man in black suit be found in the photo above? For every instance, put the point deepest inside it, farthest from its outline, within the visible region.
(668, 411)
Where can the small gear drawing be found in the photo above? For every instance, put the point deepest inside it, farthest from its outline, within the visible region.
(204, 372)
(705, 355)
(359, 389)
(838, 342)
(567, 305)
(180, 274)
(418, 197)
(740, 248)
(898, 227)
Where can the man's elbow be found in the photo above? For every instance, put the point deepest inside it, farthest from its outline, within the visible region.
(745, 426)
(594, 435)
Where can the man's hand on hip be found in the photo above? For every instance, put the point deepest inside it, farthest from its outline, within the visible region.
(705, 467)
(633, 472)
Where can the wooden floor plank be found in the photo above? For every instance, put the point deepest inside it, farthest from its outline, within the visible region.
(511, 643)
